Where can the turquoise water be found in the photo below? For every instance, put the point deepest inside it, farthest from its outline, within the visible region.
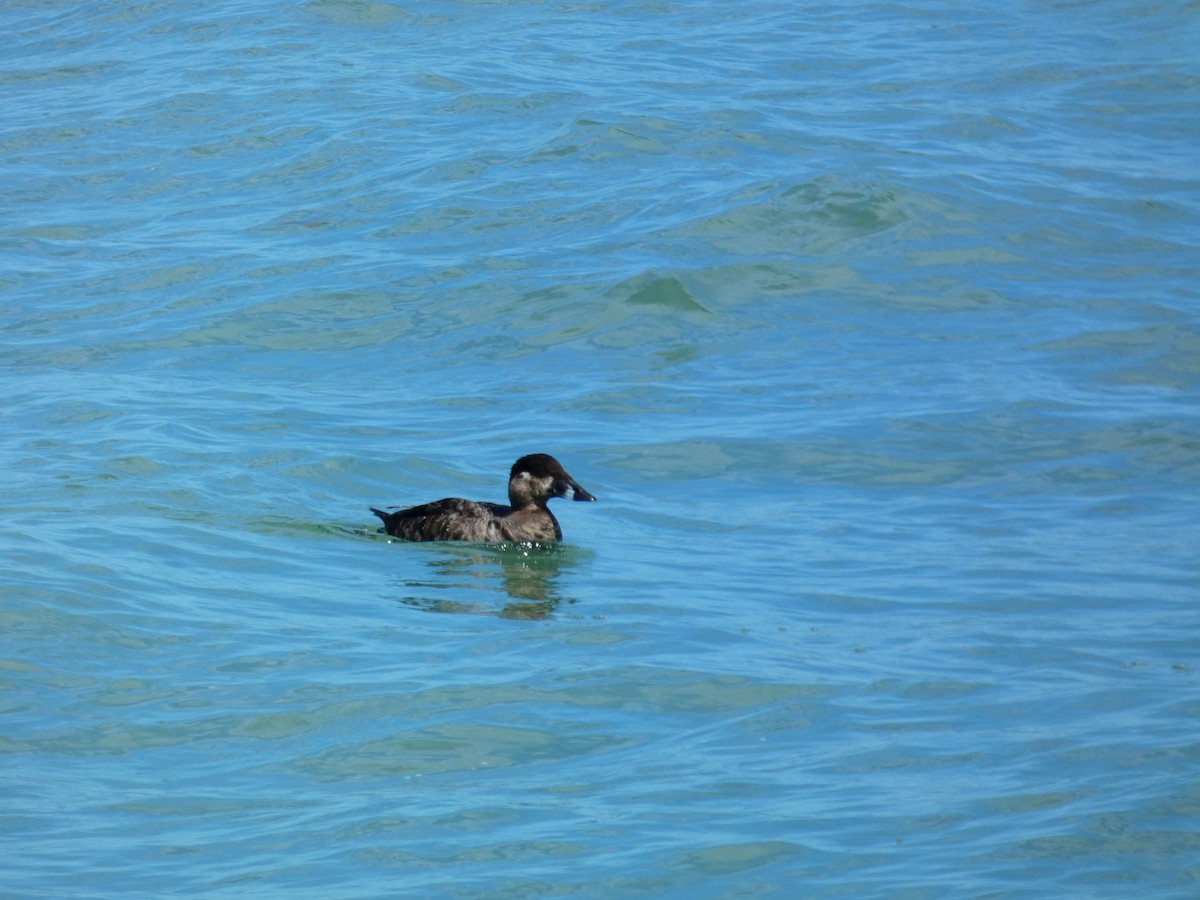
(874, 327)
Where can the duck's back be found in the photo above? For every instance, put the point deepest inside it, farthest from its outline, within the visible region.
(454, 519)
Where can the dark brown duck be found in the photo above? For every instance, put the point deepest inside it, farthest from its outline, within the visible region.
(533, 481)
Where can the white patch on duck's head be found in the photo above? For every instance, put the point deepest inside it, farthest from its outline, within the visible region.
(525, 488)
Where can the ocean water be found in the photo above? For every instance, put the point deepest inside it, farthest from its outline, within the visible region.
(875, 327)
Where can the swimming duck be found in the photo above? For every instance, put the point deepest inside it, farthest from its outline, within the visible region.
(534, 479)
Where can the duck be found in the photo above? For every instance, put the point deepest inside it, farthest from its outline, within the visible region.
(534, 480)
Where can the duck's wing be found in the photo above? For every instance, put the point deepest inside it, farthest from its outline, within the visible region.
(452, 519)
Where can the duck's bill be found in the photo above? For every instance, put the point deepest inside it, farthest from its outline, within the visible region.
(578, 493)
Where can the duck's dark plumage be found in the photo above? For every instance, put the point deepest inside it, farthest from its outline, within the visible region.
(533, 481)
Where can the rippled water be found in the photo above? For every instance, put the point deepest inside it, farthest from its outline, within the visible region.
(874, 327)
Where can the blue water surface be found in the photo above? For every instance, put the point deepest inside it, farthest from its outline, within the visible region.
(874, 327)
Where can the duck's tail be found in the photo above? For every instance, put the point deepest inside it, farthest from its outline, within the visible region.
(379, 512)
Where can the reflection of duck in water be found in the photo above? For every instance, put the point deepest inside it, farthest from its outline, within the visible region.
(509, 580)
(534, 480)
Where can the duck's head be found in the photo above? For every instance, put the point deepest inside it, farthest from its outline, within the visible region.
(538, 477)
